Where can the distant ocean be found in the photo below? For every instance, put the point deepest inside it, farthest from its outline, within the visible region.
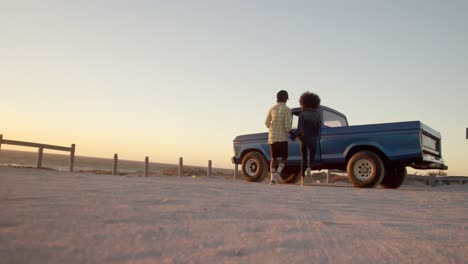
(99, 165)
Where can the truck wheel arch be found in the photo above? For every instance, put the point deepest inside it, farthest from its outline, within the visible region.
(356, 148)
(244, 152)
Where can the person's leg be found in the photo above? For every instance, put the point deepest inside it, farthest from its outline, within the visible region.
(283, 153)
(273, 165)
(312, 152)
(304, 157)
(281, 164)
(273, 154)
(281, 150)
(303, 148)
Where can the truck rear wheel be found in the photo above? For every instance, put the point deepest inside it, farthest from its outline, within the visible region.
(394, 177)
(254, 167)
(365, 169)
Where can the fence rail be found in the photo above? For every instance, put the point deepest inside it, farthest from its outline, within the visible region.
(34, 145)
(41, 148)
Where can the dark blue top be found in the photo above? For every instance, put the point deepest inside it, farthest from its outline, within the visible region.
(308, 126)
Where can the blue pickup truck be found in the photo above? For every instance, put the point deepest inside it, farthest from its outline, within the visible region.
(372, 155)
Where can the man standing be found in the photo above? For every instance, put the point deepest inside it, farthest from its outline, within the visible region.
(278, 121)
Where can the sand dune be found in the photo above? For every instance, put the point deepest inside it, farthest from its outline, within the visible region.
(59, 217)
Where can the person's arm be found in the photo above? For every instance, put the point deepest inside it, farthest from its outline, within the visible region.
(288, 120)
(300, 127)
(268, 119)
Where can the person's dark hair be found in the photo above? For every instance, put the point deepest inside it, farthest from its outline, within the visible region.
(282, 96)
(309, 100)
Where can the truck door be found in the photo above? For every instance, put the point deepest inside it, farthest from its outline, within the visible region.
(331, 122)
(294, 151)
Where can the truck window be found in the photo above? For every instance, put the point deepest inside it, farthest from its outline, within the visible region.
(331, 119)
(295, 119)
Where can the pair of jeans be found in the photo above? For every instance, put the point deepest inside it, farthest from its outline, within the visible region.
(308, 150)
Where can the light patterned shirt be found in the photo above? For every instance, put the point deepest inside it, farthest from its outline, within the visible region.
(278, 121)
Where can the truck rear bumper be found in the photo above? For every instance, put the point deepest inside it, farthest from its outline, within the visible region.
(430, 162)
(429, 166)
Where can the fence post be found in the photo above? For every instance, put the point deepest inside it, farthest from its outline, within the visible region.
(209, 169)
(1, 138)
(114, 167)
(39, 157)
(236, 169)
(181, 166)
(146, 166)
(72, 157)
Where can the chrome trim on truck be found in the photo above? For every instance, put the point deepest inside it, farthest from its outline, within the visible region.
(430, 162)
(425, 149)
(432, 159)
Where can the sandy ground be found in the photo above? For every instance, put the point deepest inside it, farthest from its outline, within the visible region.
(59, 217)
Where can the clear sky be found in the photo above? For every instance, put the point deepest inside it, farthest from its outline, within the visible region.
(183, 78)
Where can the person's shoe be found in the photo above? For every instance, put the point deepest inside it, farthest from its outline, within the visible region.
(277, 178)
(272, 178)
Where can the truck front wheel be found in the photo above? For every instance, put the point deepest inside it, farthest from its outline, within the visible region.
(394, 177)
(365, 169)
(254, 167)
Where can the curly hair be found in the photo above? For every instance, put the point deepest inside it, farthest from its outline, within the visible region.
(309, 100)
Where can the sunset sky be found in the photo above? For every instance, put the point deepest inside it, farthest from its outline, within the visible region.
(166, 79)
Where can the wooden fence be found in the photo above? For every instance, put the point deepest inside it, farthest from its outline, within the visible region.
(179, 168)
(41, 148)
(71, 149)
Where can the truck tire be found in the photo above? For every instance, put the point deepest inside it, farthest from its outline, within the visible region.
(365, 169)
(394, 177)
(291, 174)
(254, 167)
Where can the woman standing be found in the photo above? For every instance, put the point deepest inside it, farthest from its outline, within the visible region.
(308, 130)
